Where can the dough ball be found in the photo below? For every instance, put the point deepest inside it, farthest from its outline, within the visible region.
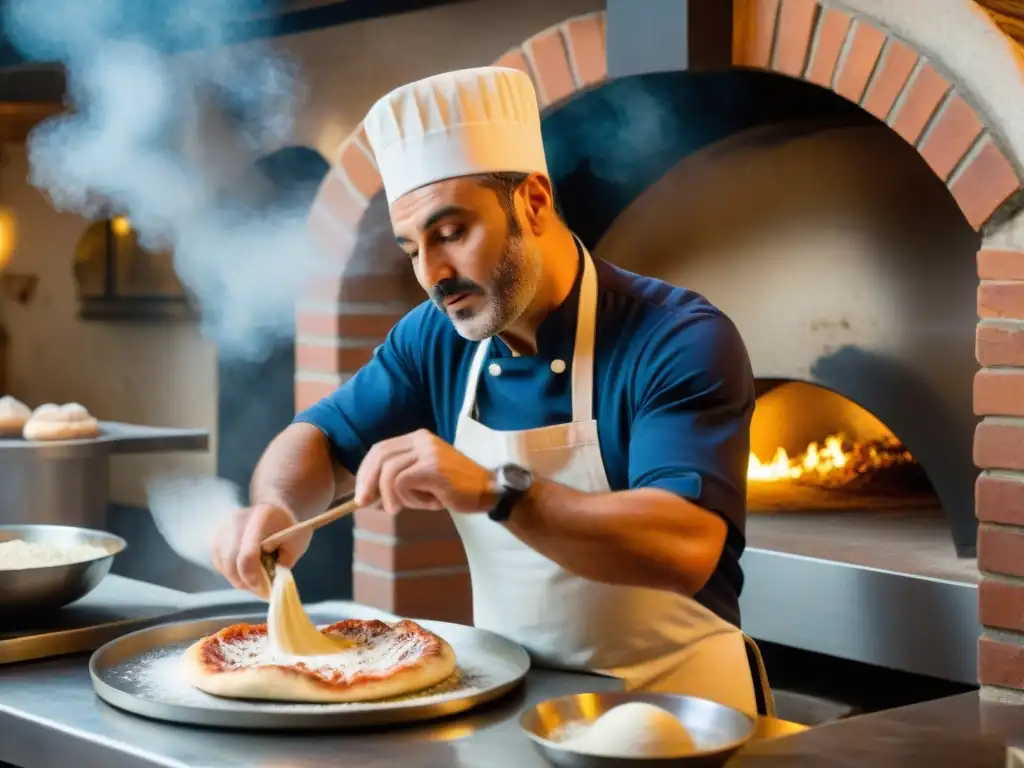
(13, 415)
(635, 730)
(75, 412)
(47, 412)
(61, 422)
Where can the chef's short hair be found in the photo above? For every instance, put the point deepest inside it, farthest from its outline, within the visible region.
(505, 185)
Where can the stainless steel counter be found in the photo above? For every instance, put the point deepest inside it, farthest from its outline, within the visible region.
(50, 716)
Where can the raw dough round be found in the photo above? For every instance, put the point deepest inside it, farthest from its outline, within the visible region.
(290, 659)
(635, 730)
(13, 415)
(60, 422)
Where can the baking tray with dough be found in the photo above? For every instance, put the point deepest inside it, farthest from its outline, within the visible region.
(141, 673)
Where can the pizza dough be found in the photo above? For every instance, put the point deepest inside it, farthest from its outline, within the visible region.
(289, 630)
(635, 730)
(60, 422)
(13, 415)
(356, 660)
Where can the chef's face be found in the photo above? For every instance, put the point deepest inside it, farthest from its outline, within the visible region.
(472, 243)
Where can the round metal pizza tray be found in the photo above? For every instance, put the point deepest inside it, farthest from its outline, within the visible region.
(140, 673)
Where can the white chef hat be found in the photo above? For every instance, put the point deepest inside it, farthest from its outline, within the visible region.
(471, 121)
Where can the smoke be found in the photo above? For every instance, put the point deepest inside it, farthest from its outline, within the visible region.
(166, 120)
(613, 132)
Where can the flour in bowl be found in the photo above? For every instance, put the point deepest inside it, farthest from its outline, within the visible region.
(17, 555)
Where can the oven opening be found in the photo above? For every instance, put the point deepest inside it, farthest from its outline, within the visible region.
(828, 479)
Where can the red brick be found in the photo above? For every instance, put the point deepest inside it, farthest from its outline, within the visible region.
(1001, 298)
(585, 39)
(753, 32)
(984, 184)
(793, 39)
(860, 61)
(1001, 550)
(923, 98)
(364, 288)
(1000, 663)
(415, 555)
(359, 168)
(441, 597)
(514, 59)
(551, 63)
(368, 326)
(952, 135)
(407, 524)
(995, 264)
(323, 358)
(1001, 604)
(338, 200)
(897, 62)
(996, 345)
(833, 26)
(999, 392)
(333, 239)
(999, 499)
(999, 446)
(309, 393)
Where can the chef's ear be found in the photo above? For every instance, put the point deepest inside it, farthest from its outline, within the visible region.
(539, 203)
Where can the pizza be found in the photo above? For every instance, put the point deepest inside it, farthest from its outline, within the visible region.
(375, 660)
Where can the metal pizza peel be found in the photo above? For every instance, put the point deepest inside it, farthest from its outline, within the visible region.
(140, 673)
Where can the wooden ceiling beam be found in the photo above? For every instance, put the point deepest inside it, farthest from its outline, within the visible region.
(1008, 16)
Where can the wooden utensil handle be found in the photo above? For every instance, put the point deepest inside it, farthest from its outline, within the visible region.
(273, 541)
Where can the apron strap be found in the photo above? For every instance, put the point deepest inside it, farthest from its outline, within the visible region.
(475, 368)
(762, 676)
(583, 350)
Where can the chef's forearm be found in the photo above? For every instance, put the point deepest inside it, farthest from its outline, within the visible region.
(644, 537)
(297, 472)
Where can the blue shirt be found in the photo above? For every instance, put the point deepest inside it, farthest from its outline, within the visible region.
(673, 397)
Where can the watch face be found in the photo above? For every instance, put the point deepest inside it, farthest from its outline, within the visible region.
(516, 478)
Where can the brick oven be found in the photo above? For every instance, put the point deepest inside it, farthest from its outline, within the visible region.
(878, 340)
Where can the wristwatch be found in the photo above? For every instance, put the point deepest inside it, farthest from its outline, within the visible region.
(514, 482)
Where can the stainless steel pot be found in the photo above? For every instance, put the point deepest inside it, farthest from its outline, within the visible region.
(68, 482)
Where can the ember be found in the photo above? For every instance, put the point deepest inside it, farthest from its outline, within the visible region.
(837, 462)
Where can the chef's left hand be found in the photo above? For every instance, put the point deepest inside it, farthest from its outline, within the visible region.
(421, 471)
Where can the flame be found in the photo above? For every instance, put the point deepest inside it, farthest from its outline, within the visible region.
(834, 462)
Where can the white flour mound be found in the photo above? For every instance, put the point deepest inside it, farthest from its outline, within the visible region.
(632, 730)
(17, 555)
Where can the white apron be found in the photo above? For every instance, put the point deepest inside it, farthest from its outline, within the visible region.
(654, 640)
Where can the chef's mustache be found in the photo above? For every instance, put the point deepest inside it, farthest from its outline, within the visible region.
(452, 286)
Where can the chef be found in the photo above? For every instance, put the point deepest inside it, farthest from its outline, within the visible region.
(586, 428)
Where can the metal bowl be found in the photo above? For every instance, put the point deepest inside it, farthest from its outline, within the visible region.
(717, 731)
(31, 590)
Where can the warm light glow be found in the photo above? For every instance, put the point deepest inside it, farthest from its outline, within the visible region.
(121, 225)
(834, 463)
(6, 239)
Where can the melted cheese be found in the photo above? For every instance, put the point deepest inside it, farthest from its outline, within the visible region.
(289, 629)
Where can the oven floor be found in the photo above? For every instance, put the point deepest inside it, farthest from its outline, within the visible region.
(914, 540)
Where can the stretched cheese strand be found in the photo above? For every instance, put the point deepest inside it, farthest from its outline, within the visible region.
(289, 630)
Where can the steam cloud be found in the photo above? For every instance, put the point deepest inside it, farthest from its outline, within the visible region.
(168, 137)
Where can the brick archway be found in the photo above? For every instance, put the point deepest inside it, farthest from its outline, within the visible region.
(415, 566)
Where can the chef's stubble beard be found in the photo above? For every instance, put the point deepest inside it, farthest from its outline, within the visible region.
(514, 283)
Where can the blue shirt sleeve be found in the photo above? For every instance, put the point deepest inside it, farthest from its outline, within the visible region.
(387, 397)
(691, 429)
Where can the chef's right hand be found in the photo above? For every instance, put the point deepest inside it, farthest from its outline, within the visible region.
(236, 548)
